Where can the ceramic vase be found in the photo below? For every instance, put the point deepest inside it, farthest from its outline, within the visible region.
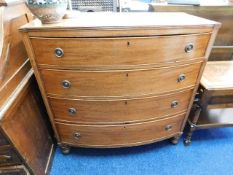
(48, 11)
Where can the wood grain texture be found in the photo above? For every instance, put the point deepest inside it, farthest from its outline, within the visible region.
(119, 111)
(208, 51)
(222, 14)
(14, 170)
(214, 118)
(119, 83)
(13, 56)
(12, 50)
(7, 89)
(224, 40)
(25, 134)
(212, 101)
(8, 156)
(29, 134)
(221, 101)
(118, 78)
(122, 24)
(30, 52)
(121, 32)
(123, 20)
(215, 98)
(221, 53)
(213, 78)
(10, 2)
(119, 135)
(93, 52)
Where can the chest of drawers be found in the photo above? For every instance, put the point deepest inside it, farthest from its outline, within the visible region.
(115, 80)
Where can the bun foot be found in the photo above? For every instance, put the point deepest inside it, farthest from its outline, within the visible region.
(65, 149)
(175, 140)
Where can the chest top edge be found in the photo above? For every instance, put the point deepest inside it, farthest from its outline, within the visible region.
(124, 21)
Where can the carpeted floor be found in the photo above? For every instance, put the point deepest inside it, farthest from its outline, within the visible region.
(211, 153)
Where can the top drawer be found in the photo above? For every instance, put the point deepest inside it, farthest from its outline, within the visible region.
(128, 51)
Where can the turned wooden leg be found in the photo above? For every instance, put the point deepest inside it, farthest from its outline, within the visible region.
(192, 125)
(174, 140)
(65, 149)
(187, 139)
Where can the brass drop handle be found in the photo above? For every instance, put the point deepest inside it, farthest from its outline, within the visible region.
(72, 111)
(59, 53)
(66, 84)
(77, 135)
(181, 78)
(189, 47)
(168, 127)
(5, 157)
(174, 104)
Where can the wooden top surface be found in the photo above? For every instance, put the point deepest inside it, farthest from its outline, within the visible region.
(218, 75)
(124, 20)
(10, 2)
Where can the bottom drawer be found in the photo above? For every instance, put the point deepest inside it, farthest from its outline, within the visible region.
(8, 156)
(14, 170)
(119, 135)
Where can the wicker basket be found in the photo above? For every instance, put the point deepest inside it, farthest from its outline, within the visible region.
(95, 5)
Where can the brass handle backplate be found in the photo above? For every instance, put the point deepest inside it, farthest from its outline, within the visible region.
(181, 78)
(168, 127)
(189, 47)
(72, 111)
(66, 84)
(77, 135)
(59, 52)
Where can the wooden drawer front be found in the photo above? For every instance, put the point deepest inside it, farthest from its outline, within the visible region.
(3, 140)
(81, 111)
(119, 83)
(119, 51)
(14, 170)
(8, 156)
(119, 135)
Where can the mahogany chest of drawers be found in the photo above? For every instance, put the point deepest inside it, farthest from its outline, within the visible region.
(115, 79)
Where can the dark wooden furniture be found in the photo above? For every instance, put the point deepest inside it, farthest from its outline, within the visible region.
(223, 46)
(26, 146)
(113, 81)
(214, 102)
